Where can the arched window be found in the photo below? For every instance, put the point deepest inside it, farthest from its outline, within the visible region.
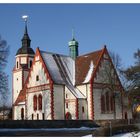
(37, 116)
(107, 101)
(35, 102)
(30, 63)
(22, 113)
(102, 103)
(40, 102)
(17, 64)
(37, 78)
(111, 103)
(83, 110)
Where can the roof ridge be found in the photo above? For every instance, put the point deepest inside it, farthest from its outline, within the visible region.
(55, 53)
(90, 53)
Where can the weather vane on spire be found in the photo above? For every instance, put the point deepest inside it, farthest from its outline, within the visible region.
(25, 17)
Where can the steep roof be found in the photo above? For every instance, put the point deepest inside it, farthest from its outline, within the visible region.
(21, 98)
(62, 70)
(61, 67)
(85, 66)
(67, 71)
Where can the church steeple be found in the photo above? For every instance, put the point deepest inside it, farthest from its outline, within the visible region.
(26, 42)
(73, 46)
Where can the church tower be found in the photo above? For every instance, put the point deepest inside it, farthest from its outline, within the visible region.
(24, 58)
(73, 46)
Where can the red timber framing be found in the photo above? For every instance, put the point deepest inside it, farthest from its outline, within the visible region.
(76, 109)
(38, 88)
(104, 51)
(41, 87)
(91, 101)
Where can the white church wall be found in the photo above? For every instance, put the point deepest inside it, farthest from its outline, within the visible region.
(97, 107)
(118, 105)
(82, 108)
(37, 70)
(46, 108)
(70, 99)
(17, 84)
(23, 60)
(127, 108)
(59, 102)
(83, 89)
(17, 112)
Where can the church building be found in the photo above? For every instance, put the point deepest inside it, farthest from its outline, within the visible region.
(52, 86)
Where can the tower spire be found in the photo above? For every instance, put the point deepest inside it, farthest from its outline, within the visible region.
(73, 46)
(25, 48)
(25, 40)
(25, 17)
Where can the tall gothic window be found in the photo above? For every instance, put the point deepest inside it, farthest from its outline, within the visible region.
(107, 103)
(111, 103)
(30, 63)
(40, 102)
(35, 102)
(22, 113)
(37, 116)
(102, 103)
(83, 110)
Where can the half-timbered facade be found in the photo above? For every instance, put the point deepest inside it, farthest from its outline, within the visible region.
(50, 86)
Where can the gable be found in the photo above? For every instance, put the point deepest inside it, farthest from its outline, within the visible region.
(85, 66)
(105, 72)
(38, 76)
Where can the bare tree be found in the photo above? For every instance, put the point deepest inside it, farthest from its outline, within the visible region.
(4, 52)
(111, 69)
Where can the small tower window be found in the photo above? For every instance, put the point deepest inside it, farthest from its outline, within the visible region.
(22, 113)
(66, 95)
(30, 63)
(37, 78)
(17, 64)
(66, 105)
(83, 110)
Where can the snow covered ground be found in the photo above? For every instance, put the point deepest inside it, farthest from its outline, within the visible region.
(130, 134)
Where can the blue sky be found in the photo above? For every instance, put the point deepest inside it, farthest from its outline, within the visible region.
(50, 25)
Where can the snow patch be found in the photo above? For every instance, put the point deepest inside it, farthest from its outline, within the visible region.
(130, 134)
(88, 76)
